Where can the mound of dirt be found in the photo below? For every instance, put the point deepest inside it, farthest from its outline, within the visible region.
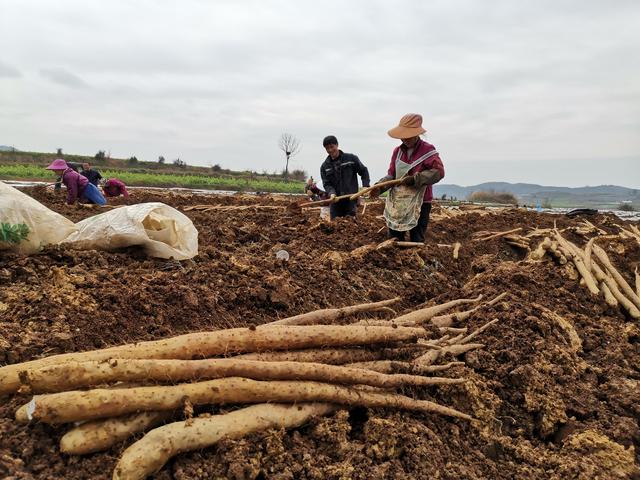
(556, 390)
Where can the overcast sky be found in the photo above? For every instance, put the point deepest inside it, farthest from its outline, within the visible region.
(523, 91)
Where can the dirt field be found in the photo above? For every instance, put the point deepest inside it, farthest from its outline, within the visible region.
(545, 408)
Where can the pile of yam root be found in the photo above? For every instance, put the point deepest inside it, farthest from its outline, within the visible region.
(594, 267)
(290, 370)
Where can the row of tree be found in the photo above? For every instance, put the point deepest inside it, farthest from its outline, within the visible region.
(288, 143)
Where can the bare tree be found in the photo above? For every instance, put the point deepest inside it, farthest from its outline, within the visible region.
(290, 145)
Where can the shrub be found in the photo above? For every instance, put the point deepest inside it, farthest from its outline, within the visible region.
(133, 160)
(626, 207)
(491, 196)
(298, 175)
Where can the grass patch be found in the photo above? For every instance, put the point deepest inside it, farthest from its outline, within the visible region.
(148, 179)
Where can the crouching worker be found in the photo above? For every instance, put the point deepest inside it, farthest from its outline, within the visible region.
(73, 166)
(418, 163)
(78, 187)
(114, 188)
(313, 191)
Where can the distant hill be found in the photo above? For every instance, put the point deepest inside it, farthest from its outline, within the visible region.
(7, 148)
(601, 196)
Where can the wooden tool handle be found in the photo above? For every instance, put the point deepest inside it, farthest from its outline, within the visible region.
(388, 183)
(327, 201)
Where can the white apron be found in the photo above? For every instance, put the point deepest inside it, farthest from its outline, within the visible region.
(403, 204)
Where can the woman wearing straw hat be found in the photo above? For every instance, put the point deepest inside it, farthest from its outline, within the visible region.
(408, 205)
(78, 187)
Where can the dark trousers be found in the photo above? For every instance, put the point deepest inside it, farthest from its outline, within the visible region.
(343, 208)
(416, 234)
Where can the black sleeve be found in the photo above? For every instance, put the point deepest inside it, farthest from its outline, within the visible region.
(98, 176)
(363, 172)
(327, 183)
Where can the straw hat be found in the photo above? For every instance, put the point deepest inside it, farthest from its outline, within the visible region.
(58, 164)
(410, 126)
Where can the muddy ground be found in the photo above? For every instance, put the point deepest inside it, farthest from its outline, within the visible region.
(546, 408)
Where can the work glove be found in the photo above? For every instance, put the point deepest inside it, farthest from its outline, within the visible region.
(409, 180)
(427, 177)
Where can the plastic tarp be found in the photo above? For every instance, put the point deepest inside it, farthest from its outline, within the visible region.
(45, 226)
(161, 230)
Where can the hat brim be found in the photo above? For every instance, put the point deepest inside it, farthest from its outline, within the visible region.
(405, 132)
(54, 166)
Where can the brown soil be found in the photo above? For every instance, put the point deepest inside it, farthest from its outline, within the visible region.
(546, 407)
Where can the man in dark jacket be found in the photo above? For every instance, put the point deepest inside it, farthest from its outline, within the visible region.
(339, 177)
(92, 175)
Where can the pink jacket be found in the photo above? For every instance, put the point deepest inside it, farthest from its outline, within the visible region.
(431, 163)
(75, 184)
(114, 187)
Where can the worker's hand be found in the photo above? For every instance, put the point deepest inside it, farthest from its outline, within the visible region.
(409, 180)
(332, 198)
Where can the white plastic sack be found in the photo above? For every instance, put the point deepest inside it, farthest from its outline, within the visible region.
(163, 231)
(45, 226)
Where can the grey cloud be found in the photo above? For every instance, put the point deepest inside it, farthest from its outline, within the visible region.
(8, 71)
(63, 77)
(501, 83)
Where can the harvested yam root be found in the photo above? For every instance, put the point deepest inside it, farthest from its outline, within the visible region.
(331, 356)
(575, 254)
(327, 316)
(74, 375)
(428, 358)
(393, 366)
(608, 296)
(418, 317)
(517, 241)
(455, 346)
(228, 208)
(483, 236)
(626, 288)
(614, 287)
(448, 319)
(208, 344)
(149, 454)
(402, 244)
(100, 435)
(456, 250)
(541, 249)
(103, 403)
